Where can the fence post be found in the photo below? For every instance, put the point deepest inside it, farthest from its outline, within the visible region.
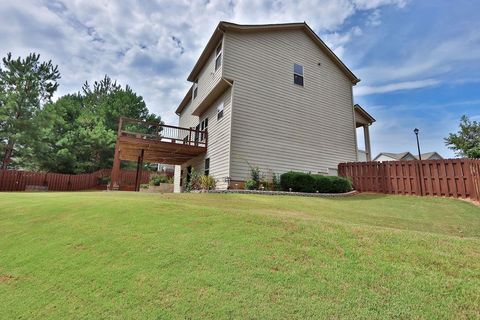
(139, 171)
(420, 175)
(473, 180)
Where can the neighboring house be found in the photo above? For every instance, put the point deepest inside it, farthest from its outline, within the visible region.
(167, 169)
(273, 96)
(389, 156)
(431, 156)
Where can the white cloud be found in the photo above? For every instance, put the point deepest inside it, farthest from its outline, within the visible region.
(152, 45)
(407, 85)
(372, 4)
(374, 18)
(429, 58)
(338, 40)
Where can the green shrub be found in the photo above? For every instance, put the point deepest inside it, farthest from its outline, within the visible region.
(340, 184)
(297, 182)
(332, 184)
(251, 184)
(303, 182)
(144, 186)
(103, 180)
(323, 184)
(276, 182)
(194, 183)
(156, 179)
(207, 183)
(255, 178)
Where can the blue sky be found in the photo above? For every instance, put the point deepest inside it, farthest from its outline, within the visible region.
(419, 61)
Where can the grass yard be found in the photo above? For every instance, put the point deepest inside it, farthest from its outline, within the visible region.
(150, 256)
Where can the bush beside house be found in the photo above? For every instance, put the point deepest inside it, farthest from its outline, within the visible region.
(311, 183)
(157, 179)
(197, 182)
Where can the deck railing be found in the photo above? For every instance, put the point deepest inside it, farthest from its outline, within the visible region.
(162, 132)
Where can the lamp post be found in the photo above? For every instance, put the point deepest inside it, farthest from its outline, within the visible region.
(418, 144)
(420, 173)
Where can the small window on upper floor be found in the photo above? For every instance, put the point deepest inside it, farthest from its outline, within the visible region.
(218, 56)
(220, 110)
(298, 74)
(195, 89)
(207, 167)
(203, 126)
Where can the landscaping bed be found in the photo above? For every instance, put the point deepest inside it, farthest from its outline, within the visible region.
(285, 193)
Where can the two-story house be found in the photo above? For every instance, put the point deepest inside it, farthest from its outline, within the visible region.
(273, 96)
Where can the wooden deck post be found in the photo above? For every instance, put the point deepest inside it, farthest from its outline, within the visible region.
(138, 177)
(115, 175)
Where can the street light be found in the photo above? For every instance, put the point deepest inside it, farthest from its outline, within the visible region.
(418, 144)
(420, 168)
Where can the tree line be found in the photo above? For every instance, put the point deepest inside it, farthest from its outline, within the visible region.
(76, 133)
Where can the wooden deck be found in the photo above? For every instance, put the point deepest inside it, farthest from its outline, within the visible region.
(156, 151)
(141, 142)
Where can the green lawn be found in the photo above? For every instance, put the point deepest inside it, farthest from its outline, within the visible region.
(150, 256)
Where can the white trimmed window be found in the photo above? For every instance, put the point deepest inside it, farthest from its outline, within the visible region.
(203, 126)
(298, 74)
(218, 56)
(207, 167)
(220, 107)
(195, 89)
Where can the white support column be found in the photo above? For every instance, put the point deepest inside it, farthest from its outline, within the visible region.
(366, 135)
(176, 179)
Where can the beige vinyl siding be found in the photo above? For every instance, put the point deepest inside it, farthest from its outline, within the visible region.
(218, 149)
(276, 124)
(186, 119)
(207, 79)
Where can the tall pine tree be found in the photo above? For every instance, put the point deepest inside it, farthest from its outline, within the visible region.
(25, 86)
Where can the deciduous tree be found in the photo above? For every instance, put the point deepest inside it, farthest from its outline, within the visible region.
(79, 131)
(466, 142)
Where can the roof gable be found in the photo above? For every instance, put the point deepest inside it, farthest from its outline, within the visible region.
(396, 156)
(223, 27)
(363, 114)
(185, 101)
(429, 155)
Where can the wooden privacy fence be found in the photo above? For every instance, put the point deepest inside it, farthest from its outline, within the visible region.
(15, 180)
(127, 177)
(458, 178)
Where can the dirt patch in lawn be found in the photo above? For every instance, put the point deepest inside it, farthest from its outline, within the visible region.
(6, 278)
